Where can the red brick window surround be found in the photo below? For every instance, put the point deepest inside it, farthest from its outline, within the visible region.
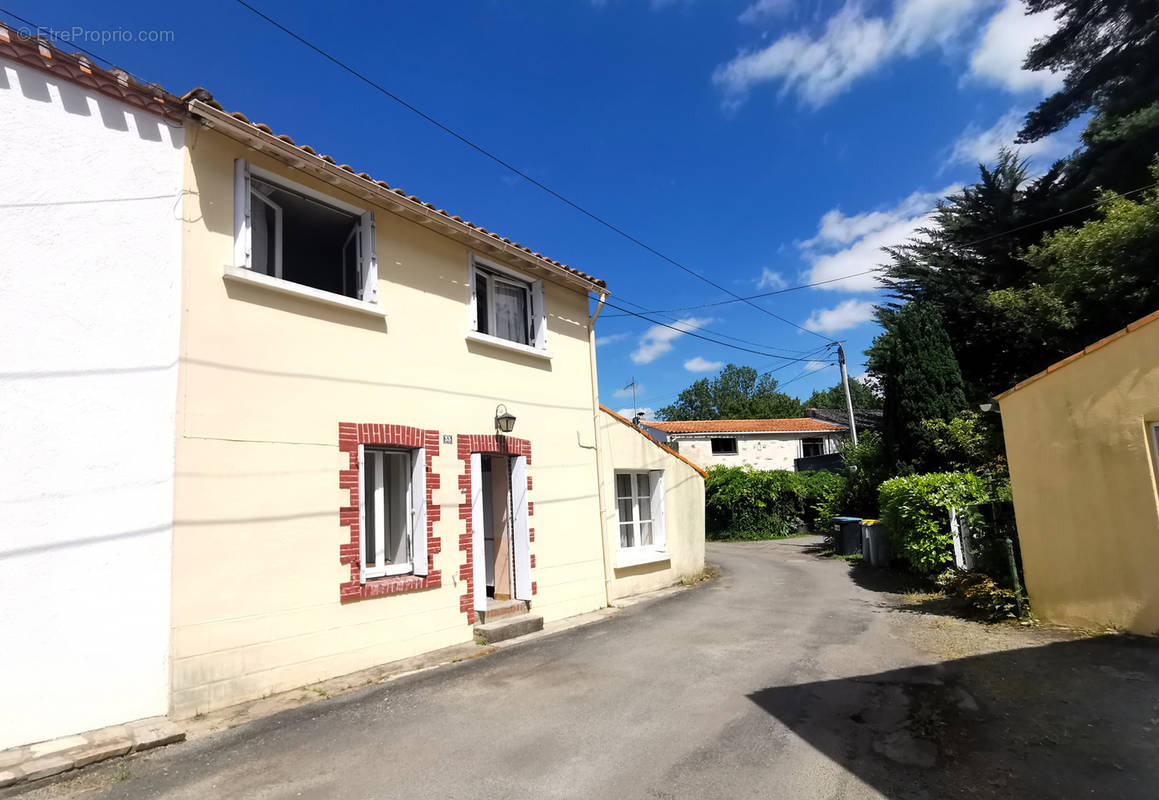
(491, 445)
(350, 436)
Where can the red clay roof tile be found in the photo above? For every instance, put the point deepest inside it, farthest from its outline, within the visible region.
(802, 425)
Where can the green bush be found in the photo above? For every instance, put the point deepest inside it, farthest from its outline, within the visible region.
(916, 510)
(744, 503)
(864, 468)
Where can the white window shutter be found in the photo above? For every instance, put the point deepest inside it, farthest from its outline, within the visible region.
(659, 517)
(478, 567)
(539, 318)
(418, 494)
(521, 528)
(474, 300)
(362, 532)
(368, 247)
(241, 214)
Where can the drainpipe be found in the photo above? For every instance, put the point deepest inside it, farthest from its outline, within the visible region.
(596, 430)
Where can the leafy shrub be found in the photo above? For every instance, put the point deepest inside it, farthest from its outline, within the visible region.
(865, 467)
(744, 503)
(916, 510)
(975, 595)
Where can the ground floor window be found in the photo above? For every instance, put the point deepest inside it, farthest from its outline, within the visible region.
(390, 504)
(640, 507)
(812, 446)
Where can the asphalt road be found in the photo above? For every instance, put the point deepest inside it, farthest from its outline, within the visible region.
(785, 678)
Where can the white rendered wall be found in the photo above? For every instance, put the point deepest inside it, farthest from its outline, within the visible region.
(88, 382)
(763, 451)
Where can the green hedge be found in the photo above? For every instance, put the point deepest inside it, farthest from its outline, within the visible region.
(916, 510)
(744, 503)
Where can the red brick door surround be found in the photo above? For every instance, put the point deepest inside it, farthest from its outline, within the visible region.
(469, 444)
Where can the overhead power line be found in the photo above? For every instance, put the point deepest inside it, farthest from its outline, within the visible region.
(974, 243)
(753, 296)
(511, 167)
(691, 331)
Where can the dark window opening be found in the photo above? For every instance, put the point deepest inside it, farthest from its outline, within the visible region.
(724, 446)
(303, 240)
(812, 446)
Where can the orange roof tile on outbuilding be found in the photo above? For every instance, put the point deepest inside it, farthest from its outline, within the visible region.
(795, 425)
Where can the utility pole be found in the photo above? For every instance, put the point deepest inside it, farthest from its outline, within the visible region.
(633, 386)
(848, 397)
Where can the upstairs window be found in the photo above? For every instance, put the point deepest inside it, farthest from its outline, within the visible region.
(301, 236)
(392, 512)
(507, 306)
(724, 446)
(812, 446)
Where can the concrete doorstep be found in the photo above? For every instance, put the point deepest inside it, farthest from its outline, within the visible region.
(45, 759)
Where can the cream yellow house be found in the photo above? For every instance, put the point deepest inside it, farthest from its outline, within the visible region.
(307, 423)
(346, 353)
(654, 513)
(1082, 438)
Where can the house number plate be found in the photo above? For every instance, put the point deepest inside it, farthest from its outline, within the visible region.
(447, 438)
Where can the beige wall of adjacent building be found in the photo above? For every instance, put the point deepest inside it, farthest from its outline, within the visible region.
(265, 380)
(1082, 456)
(759, 450)
(625, 449)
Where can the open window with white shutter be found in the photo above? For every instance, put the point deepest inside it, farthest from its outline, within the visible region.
(296, 234)
(392, 512)
(640, 505)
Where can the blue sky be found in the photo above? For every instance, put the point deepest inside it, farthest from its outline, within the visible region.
(764, 143)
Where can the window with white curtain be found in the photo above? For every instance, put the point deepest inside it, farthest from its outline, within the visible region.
(507, 306)
(640, 508)
(390, 507)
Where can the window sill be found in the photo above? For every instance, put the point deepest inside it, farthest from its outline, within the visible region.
(251, 278)
(634, 558)
(504, 344)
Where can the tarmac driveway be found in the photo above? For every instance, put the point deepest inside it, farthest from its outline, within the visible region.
(791, 676)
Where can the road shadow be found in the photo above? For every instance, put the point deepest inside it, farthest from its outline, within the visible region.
(1063, 720)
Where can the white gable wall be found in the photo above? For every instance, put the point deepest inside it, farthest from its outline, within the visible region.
(760, 450)
(88, 387)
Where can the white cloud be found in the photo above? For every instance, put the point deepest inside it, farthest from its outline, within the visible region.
(846, 245)
(853, 44)
(657, 340)
(771, 280)
(1005, 42)
(845, 315)
(649, 413)
(815, 366)
(980, 145)
(626, 391)
(699, 364)
(763, 9)
(611, 338)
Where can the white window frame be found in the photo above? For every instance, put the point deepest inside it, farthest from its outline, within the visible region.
(824, 445)
(536, 308)
(643, 553)
(242, 268)
(416, 518)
